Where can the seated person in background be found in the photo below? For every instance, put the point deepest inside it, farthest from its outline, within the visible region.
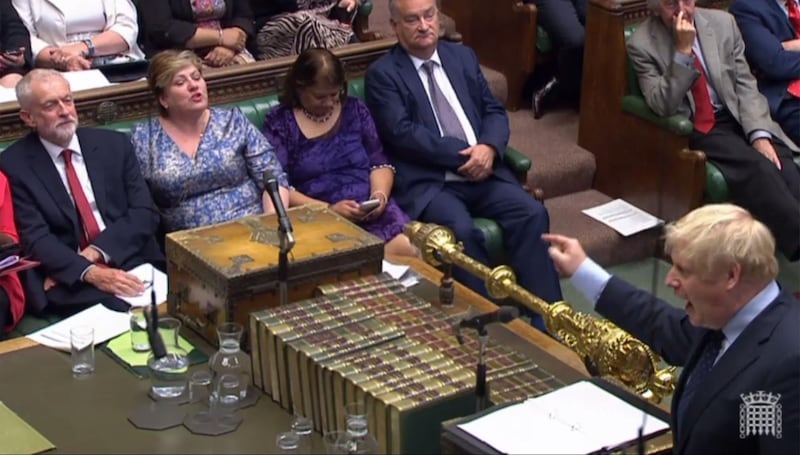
(203, 165)
(12, 299)
(74, 36)
(15, 46)
(82, 208)
(446, 134)
(264, 10)
(737, 336)
(691, 62)
(565, 23)
(771, 33)
(217, 30)
(328, 145)
(310, 24)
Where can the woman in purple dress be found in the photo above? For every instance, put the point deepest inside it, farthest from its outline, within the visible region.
(329, 148)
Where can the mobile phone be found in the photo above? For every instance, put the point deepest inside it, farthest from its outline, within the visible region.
(14, 52)
(370, 205)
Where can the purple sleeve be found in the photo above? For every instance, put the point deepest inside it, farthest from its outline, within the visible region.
(277, 131)
(369, 136)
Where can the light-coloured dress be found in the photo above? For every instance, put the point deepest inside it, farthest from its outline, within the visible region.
(223, 182)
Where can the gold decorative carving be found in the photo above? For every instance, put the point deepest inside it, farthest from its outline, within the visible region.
(606, 349)
(106, 112)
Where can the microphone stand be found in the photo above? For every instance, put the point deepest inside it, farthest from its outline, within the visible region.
(286, 245)
(481, 390)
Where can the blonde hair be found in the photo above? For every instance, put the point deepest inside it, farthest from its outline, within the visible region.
(163, 68)
(714, 237)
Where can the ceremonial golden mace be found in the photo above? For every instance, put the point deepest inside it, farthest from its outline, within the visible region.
(606, 349)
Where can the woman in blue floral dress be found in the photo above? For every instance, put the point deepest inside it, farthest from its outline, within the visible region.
(328, 145)
(203, 165)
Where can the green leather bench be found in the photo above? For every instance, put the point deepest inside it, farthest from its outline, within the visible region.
(716, 189)
(256, 109)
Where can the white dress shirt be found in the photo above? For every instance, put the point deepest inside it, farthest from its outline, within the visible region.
(450, 94)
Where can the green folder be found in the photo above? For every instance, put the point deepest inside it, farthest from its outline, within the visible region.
(120, 350)
(18, 436)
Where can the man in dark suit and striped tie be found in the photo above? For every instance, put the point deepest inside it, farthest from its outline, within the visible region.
(446, 134)
(737, 339)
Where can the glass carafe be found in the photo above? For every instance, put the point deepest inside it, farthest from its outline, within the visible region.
(230, 360)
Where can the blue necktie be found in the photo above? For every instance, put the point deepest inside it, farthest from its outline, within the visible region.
(698, 375)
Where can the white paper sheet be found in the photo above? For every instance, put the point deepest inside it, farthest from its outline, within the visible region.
(152, 277)
(623, 217)
(85, 80)
(401, 273)
(106, 323)
(572, 420)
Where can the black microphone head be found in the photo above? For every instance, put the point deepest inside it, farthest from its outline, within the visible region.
(270, 181)
(507, 313)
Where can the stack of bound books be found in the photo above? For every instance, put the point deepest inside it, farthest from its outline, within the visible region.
(371, 340)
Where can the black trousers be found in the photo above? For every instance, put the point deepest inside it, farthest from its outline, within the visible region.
(5, 313)
(565, 22)
(755, 183)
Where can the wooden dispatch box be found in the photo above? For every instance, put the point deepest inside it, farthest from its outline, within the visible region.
(223, 272)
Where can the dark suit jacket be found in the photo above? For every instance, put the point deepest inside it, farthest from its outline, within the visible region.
(169, 24)
(407, 125)
(766, 356)
(47, 219)
(14, 35)
(764, 26)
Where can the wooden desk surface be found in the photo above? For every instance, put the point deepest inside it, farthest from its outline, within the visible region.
(84, 416)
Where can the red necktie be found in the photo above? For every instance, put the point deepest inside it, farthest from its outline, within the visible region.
(794, 18)
(88, 221)
(703, 110)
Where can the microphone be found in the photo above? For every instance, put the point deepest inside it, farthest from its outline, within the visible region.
(284, 225)
(153, 335)
(505, 313)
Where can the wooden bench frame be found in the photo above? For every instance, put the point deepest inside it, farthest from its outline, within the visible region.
(133, 100)
(632, 154)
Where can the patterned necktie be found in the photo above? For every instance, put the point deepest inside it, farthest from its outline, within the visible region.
(88, 221)
(448, 120)
(794, 18)
(698, 375)
(704, 119)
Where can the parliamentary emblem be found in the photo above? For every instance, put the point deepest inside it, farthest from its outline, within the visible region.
(760, 414)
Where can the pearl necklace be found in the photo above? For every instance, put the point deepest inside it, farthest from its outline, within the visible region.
(317, 118)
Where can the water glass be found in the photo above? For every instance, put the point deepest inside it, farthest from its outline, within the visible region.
(82, 348)
(200, 385)
(139, 341)
(169, 372)
(288, 442)
(356, 419)
(226, 399)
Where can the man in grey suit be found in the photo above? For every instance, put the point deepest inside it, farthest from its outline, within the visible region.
(690, 61)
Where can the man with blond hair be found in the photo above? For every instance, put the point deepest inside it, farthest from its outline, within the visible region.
(738, 335)
(81, 205)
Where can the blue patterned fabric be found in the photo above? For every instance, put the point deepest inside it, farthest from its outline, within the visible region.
(224, 180)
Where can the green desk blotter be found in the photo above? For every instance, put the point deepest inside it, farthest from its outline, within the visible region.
(18, 436)
(120, 350)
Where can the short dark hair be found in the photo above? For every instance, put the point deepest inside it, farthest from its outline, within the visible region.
(311, 66)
